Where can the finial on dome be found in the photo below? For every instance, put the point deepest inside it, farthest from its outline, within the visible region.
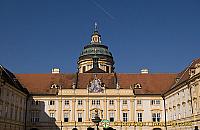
(95, 26)
(96, 37)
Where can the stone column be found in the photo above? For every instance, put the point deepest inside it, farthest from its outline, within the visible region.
(118, 109)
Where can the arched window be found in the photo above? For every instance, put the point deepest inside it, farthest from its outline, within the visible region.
(84, 69)
(156, 128)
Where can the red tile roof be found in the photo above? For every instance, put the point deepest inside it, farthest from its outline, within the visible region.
(41, 83)
(151, 83)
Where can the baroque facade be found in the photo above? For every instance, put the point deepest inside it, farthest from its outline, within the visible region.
(13, 99)
(143, 101)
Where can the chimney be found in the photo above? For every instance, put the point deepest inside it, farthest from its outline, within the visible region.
(55, 71)
(144, 71)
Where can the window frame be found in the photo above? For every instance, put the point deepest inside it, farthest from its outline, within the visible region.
(139, 102)
(66, 102)
(98, 102)
(125, 116)
(80, 117)
(111, 102)
(156, 117)
(66, 117)
(111, 116)
(51, 102)
(139, 116)
(124, 102)
(80, 102)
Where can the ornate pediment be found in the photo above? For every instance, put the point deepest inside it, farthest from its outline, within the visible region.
(96, 86)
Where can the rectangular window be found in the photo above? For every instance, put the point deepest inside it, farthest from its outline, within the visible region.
(156, 117)
(155, 102)
(6, 111)
(111, 117)
(111, 102)
(20, 115)
(124, 102)
(32, 116)
(93, 102)
(98, 102)
(80, 102)
(35, 116)
(79, 117)
(51, 102)
(16, 112)
(66, 117)
(139, 102)
(152, 102)
(52, 116)
(107, 69)
(125, 117)
(139, 117)
(66, 102)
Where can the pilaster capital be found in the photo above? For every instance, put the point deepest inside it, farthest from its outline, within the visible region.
(73, 100)
(118, 99)
(131, 100)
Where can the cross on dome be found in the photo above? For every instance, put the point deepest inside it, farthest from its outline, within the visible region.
(96, 37)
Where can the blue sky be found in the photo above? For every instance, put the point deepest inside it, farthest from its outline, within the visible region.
(37, 35)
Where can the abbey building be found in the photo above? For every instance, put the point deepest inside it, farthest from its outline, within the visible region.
(60, 101)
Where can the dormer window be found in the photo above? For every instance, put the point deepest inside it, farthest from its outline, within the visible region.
(137, 86)
(177, 79)
(197, 68)
(192, 72)
(54, 86)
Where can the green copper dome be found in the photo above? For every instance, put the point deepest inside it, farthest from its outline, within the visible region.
(96, 49)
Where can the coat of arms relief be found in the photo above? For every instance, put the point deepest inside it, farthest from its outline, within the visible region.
(96, 86)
